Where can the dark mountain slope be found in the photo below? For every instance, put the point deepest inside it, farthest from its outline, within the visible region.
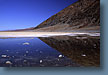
(82, 15)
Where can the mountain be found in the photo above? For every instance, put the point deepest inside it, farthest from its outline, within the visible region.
(83, 15)
(26, 29)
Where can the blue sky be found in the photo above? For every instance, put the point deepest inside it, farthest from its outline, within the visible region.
(19, 14)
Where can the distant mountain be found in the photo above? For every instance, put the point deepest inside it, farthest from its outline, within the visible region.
(26, 29)
(82, 15)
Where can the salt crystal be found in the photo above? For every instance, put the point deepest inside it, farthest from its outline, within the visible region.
(8, 62)
(4, 56)
(83, 55)
(40, 61)
(26, 51)
(60, 56)
(26, 43)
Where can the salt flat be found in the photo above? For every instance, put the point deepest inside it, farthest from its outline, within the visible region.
(44, 34)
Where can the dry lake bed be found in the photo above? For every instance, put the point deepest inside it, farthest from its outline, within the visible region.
(44, 34)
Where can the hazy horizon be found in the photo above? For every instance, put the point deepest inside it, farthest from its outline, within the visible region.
(20, 14)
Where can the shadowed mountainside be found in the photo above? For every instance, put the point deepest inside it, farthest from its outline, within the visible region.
(82, 15)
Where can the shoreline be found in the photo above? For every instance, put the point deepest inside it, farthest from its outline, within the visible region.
(44, 34)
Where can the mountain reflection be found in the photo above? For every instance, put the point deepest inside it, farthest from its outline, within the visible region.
(84, 50)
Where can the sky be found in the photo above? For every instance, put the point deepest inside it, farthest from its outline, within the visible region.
(20, 14)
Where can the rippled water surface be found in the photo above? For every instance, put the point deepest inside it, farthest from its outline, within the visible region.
(50, 51)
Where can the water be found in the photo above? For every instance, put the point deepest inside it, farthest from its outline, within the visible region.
(49, 51)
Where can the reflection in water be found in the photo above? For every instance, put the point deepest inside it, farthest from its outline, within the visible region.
(50, 51)
(30, 52)
(83, 50)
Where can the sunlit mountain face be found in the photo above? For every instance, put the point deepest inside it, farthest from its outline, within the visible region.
(83, 15)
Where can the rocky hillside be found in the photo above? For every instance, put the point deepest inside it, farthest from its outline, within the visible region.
(82, 15)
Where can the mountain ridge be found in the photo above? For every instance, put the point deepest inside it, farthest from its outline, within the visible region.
(81, 14)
